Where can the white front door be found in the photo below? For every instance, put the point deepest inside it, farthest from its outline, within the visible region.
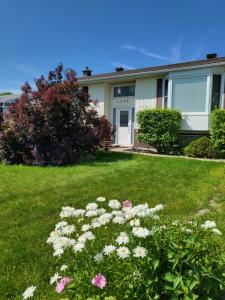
(124, 117)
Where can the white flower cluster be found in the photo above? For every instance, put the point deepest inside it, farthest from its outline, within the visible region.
(211, 225)
(122, 252)
(60, 240)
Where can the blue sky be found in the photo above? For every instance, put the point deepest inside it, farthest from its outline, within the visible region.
(36, 35)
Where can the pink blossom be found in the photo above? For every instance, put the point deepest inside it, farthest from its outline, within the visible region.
(62, 284)
(99, 280)
(127, 203)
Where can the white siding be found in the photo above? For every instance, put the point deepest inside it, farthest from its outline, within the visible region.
(195, 121)
(97, 92)
(145, 93)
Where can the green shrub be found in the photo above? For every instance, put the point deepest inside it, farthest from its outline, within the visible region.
(159, 128)
(201, 147)
(218, 130)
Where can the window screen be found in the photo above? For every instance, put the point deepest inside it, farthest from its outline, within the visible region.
(189, 94)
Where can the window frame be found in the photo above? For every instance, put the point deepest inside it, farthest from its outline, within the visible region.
(120, 86)
(217, 93)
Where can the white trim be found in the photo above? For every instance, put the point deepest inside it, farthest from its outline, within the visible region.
(195, 113)
(208, 94)
(222, 91)
(178, 76)
(118, 110)
(170, 93)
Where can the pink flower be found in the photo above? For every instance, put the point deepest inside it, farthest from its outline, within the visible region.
(62, 284)
(99, 280)
(127, 203)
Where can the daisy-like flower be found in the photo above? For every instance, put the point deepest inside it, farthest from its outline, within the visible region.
(91, 213)
(58, 252)
(127, 203)
(67, 211)
(187, 230)
(100, 199)
(141, 232)
(114, 204)
(89, 235)
(101, 211)
(122, 238)
(85, 227)
(92, 206)
(163, 226)
(29, 292)
(117, 213)
(216, 231)
(62, 284)
(78, 247)
(99, 281)
(175, 223)
(63, 268)
(118, 220)
(98, 257)
(104, 219)
(209, 224)
(123, 252)
(108, 249)
(55, 278)
(96, 224)
(135, 223)
(140, 252)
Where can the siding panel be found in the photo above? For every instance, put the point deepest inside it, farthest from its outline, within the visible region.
(145, 93)
(97, 92)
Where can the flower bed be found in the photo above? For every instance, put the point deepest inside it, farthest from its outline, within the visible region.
(115, 250)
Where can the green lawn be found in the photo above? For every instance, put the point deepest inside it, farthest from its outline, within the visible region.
(31, 199)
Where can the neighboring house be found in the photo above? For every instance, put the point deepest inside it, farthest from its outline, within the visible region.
(194, 88)
(5, 101)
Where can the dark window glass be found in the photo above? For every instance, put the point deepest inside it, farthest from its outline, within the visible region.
(1, 107)
(166, 93)
(85, 89)
(215, 103)
(124, 91)
(124, 118)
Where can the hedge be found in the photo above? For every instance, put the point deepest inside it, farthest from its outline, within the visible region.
(159, 128)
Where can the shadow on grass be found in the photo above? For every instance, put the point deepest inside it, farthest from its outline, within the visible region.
(107, 156)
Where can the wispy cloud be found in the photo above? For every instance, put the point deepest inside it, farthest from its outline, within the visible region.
(30, 71)
(154, 55)
(174, 54)
(119, 64)
(128, 47)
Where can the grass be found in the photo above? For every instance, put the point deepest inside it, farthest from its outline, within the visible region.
(31, 199)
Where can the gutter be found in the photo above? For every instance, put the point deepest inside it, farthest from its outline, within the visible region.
(146, 73)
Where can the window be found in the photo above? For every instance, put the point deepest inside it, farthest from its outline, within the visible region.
(124, 91)
(124, 118)
(189, 94)
(166, 93)
(215, 103)
(85, 89)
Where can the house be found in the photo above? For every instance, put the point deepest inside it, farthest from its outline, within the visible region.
(5, 101)
(194, 88)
